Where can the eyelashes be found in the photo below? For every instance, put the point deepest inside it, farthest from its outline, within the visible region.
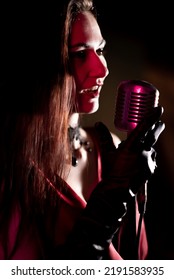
(78, 54)
(82, 54)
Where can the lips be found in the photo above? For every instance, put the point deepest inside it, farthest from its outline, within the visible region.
(93, 90)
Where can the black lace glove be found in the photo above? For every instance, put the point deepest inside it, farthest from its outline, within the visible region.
(124, 168)
(133, 162)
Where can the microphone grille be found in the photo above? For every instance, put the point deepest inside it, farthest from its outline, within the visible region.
(135, 98)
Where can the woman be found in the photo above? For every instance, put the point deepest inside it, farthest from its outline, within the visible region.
(64, 189)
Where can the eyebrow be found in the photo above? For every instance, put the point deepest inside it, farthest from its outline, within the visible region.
(85, 45)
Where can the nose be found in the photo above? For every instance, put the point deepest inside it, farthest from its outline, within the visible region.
(98, 67)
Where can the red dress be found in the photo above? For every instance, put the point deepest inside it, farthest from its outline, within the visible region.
(72, 206)
(29, 245)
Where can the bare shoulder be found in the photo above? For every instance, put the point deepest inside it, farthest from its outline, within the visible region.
(116, 139)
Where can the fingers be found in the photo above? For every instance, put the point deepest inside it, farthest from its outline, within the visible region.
(153, 135)
(139, 133)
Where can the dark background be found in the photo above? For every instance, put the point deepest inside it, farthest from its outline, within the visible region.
(140, 46)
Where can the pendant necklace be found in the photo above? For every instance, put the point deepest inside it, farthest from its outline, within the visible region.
(77, 142)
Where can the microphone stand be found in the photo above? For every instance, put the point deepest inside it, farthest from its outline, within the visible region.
(133, 255)
(142, 201)
(132, 238)
(134, 233)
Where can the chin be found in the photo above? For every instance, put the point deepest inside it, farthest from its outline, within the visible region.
(89, 110)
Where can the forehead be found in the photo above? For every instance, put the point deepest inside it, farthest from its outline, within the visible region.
(85, 28)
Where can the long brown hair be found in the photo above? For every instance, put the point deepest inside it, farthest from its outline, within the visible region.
(36, 103)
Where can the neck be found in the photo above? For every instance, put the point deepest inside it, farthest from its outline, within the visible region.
(77, 140)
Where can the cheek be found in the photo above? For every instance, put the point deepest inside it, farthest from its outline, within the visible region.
(78, 73)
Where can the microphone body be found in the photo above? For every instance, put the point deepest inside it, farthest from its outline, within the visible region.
(135, 98)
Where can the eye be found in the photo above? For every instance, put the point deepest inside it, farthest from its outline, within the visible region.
(78, 54)
(101, 51)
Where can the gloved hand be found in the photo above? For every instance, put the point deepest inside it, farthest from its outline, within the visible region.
(125, 167)
(133, 162)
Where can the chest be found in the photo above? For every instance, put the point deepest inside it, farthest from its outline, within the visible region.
(83, 177)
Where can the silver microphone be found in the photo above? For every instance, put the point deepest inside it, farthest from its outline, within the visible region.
(135, 98)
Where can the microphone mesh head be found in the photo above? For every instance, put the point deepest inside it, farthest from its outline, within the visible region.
(135, 98)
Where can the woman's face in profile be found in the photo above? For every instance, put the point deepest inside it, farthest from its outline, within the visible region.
(87, 61)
